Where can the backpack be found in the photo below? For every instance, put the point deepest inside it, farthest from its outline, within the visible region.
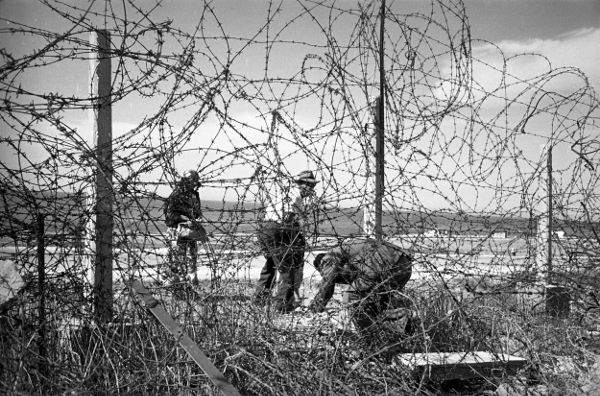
(170, 220)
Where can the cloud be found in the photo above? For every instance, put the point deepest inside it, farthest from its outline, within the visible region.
(515, 89)
(578, 48)
(508, 75)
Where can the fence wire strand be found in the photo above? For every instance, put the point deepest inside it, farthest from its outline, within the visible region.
(467, 133)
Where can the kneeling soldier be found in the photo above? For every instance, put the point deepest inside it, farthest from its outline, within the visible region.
(375, 271)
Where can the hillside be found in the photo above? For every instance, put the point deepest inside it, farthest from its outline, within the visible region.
(67, 214)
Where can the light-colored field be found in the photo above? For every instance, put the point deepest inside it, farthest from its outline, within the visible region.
(434, 257)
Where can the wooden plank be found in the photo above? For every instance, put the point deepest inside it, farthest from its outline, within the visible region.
(183, 339)
(461, 365)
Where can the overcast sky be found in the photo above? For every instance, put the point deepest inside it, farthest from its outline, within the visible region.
(567, 32)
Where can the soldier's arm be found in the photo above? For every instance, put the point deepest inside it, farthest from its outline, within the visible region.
(325, 290)
(173, 212)
(197, 210)
(297, 209)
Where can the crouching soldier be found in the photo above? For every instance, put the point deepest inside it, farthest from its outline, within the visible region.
(375, 271)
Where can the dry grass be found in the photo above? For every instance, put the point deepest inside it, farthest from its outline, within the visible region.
(264, 353)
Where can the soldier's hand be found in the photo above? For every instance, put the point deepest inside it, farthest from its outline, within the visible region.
(302, 310)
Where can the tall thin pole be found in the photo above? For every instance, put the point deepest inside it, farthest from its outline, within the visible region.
(41, 251)
(101, 91)
(558, 298)
(549, 256)
(380, 162)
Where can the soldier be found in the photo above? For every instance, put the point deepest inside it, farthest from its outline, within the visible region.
(375, 271)
(182, 216)
(283, 243)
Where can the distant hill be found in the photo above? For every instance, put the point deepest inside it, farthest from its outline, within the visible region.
(143, 214)
(62, 213)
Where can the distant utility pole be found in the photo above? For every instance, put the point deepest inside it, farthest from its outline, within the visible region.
(101, 92)
(558, 298)
(41, 261)
(380, 132)
(549, 258)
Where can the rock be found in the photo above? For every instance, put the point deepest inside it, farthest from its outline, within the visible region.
(10, 281)
(591, 381)
(502, 391)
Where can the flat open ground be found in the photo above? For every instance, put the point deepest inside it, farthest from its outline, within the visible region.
(448, 258)
(435, 258)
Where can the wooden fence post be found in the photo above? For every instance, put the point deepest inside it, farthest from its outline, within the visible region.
(100, 85)
(380, 127)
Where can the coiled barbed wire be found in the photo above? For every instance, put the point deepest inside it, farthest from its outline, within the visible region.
(459, 154)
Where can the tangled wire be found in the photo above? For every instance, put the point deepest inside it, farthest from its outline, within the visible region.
(467, 134)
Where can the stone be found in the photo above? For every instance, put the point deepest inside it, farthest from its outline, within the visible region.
(10, 281)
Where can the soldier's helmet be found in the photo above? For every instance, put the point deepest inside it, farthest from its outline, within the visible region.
(324, 260)
(306, 178)
(191, 177)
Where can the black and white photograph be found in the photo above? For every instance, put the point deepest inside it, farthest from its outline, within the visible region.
(300, 197)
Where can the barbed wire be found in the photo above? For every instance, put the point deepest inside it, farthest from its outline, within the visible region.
(466, 140)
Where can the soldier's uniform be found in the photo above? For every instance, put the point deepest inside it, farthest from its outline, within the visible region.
(182, 215)
(374, 270)
(282, 241)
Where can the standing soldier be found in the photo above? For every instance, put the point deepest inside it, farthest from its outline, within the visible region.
(282, 241)
(182, 216)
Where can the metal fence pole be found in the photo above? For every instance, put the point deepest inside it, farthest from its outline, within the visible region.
(41, 268)
(549, 268)
(558, 298)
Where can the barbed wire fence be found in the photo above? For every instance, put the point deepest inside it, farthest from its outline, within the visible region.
(466, 189)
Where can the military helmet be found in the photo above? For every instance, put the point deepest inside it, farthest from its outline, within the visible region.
(191, 176)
